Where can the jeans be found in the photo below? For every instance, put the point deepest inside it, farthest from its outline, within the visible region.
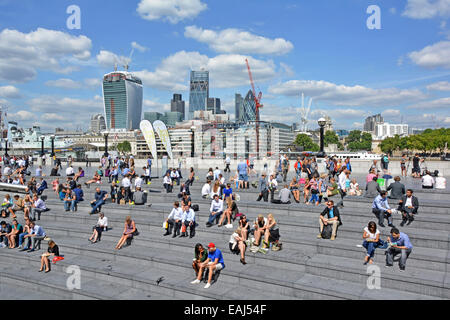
(263, 195)
(314, 198)
(371, 246)
(4, 239)
(97, 206)
(39, 211)
(21, 237)
(392, 252)
(168, 187)
(214, 217)
(72, 204)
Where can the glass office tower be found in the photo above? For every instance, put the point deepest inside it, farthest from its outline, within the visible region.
(199, 91)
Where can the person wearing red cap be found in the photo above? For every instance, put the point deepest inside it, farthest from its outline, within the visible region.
(214, 263)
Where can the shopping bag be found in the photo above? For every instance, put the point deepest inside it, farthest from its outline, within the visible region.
(183, 228)
(165, 225)
(56, 259)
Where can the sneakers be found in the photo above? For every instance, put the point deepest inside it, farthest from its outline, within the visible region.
(402, 224)
(229, 226)
(207, 285)
(196, 281)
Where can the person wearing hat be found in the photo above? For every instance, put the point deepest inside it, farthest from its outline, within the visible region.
(263, 189)
(213, 263)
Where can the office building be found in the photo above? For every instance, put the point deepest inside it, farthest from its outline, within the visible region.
(386, 130)
(213, 105)
(98, 123)
(199, 91)
(238, 106)
(248, 108)
(371, 122)
(171, 118)
(177, 105)
(153, 116)
(122, 95)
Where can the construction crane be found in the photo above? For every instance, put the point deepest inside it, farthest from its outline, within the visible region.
(258, 105)
(304, 112)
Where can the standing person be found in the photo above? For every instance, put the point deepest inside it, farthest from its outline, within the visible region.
(409, 205)
(149, 167)
(403, 165)
(416, 166)
(242, 170)
(372, 241)
(214, 263)
(399, 243)
(227, 164)
(128, 232)
(384, 162)
(263, 190)
(52, 251)
(298, 168)
(381, 209)
(285, 167)
(273, 184)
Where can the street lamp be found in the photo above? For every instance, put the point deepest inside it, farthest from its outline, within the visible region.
(322, 122)
(42, 145)
(105, 134)
(52, 138)
(192, 142)
(6, 147)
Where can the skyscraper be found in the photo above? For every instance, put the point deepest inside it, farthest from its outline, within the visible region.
(199, 91)
(371, 122)
(238, 106)
(98, 123)
(248, 108)
(213, 104)
(122, 95)
(177, 104)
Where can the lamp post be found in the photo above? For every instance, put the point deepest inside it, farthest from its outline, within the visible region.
(193, 142)
(322, 122)
(105, 134)
(52, 138)
(6, 147)
(42, 145)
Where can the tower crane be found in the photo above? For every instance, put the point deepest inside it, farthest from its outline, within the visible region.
(258, 105)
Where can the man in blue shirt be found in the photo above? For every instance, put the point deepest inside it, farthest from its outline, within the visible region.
(214, 263)
(100, 197)
(381, 209)
(398, 244)
(242, 170)
(78, 193)
(333, 218)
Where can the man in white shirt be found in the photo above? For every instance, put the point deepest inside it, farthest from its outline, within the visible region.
(167, 182)
(174, 175)
(216, 211)
(174, 220)
(427, 181)
(188, 220)
(216, 173)
(126, 183)
(138, 182)
(227, 164)
(206, 189)
(70, 172)
(440, 182)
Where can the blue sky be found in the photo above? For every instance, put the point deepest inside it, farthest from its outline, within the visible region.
(51, 75)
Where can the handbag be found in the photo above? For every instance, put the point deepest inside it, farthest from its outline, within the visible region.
(183, 228)
(56, 259)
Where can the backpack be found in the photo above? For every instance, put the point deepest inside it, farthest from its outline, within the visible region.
(327, 231)
(195, 207)
(385, 159)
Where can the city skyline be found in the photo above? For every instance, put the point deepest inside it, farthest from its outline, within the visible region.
(323, 49)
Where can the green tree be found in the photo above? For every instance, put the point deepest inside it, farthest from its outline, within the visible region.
(306, 142)
(358, 140)
(124, 147)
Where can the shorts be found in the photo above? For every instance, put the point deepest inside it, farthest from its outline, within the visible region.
(219, 266)
(274, 235)
(251, 166)
(243, 177)
(416, 170)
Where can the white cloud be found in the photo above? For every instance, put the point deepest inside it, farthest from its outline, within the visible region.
(138, 47)
(439, 86)
(433, 104)
(53, 117)
(64, 83)
(66, 105)
(22, 115)
(9, 92)
(150, 105)
(22, 54)
(425, 9)
(108, 59)
(393, 10)
(433, 56)
(391, 113)
(447, 120)
(173, 11)
(342, 95)
(226, 71)
(93, 83)
(238, 41)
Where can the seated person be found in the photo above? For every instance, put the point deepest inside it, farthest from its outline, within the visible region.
(213, 263)
(427, 181)
(259, 229)
(271, 235)
(79, 174)
(409, 205)
(102, 225)
(206, 189)
(284, 196)
(174, 220)
(332, 218)
(16, 229)
(70, 201)
(42, 186)
(237, 244)
(216, 210)
(230, 214)
(95, 179)
(35, 235)
(52, 251)
(372, 241)
(188, 220)
(5, 229)
(18, 205)
(354, 189)
(440, 181)
(70, 172)
(294, 187)
(372, 188)
(99, 200)
(38, 207)
(78, 193)
(200, 255)
(168, 184)
(399, 243)
(381, 209)
(128, 232)
(397, 189)
(114, 192)
(139, 197)
(54, 172)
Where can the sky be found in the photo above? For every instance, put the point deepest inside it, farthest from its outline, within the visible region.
(50, 74)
